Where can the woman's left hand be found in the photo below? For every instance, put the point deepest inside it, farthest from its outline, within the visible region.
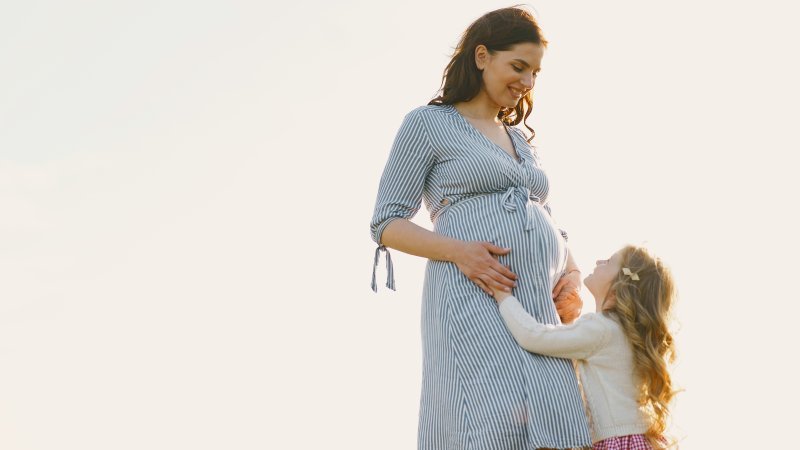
(566, 297)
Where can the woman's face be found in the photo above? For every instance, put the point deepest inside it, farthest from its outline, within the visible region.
(508, 75)
(599, 281)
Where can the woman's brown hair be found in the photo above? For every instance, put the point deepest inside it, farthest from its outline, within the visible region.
(498, 30)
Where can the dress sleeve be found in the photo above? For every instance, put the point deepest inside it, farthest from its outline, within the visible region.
(401, 185)
(560, 230)
(400, 189)
(578, 340)
(546, 205)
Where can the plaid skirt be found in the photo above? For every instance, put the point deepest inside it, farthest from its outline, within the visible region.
(630, 442)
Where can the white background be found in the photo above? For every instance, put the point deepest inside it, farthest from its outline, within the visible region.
(186, 189)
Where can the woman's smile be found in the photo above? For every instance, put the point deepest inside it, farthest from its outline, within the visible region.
(516, 93)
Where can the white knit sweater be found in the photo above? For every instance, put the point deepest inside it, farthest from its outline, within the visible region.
(605, 365)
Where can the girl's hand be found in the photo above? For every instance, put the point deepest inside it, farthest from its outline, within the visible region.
(499, 296)
(477, 261)
(566, 297)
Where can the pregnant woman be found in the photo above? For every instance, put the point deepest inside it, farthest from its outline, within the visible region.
(487, 194)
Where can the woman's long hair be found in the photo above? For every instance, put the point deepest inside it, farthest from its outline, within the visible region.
(498, 30)
(643, 308)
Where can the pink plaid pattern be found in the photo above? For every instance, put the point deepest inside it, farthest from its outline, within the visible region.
(630, 442)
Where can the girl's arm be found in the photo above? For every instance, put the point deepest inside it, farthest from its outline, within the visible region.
(578, 340)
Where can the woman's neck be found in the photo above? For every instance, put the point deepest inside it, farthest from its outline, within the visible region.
(479, 108)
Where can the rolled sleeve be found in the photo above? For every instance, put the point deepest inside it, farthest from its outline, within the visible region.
(404, 176)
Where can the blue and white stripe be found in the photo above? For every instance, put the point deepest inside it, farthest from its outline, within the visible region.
(480, 390)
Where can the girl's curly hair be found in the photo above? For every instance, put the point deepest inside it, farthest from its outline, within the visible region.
(643, 308)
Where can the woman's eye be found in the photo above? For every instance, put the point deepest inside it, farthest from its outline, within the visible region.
(517, 69)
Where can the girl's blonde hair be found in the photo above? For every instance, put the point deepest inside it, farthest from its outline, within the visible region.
(643, 309)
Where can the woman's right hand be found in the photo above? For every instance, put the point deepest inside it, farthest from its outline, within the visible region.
(477, 261)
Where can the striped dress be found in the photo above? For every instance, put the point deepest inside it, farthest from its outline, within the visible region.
(480, 390)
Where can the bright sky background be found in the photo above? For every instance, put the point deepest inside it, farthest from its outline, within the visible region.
(186, 188)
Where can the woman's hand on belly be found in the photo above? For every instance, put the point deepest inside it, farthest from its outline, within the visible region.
(565, 293)
(477, 261)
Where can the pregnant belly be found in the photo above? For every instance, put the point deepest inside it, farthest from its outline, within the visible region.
(538, 251)
(486, 218)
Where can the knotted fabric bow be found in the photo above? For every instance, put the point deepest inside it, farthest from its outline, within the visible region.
(389, 269)
(518, 196)
(632, 275)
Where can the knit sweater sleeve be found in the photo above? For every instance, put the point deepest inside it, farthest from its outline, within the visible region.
(578, 340)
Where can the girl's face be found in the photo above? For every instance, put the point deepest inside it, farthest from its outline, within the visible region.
(599, 281)
(509, 75)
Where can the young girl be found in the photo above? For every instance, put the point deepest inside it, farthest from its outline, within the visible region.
(622, 350)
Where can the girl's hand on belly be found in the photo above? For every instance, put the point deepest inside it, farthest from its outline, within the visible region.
(477, 261)
(499, 296)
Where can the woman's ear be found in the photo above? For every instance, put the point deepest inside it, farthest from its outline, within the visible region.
(481, 56)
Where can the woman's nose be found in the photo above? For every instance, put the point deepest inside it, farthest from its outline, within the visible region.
(527, 81)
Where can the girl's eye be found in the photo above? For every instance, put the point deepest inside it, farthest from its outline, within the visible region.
(517, 69)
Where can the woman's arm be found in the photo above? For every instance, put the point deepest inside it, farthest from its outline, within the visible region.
(576, 341)
(474, 259)
(566, 292)
(399, 198)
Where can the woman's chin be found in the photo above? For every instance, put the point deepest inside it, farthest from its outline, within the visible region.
(508, 102)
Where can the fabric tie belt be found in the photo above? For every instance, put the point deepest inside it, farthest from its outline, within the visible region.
(517, 196)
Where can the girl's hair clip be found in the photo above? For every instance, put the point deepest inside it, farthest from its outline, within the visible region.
(628, 272)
